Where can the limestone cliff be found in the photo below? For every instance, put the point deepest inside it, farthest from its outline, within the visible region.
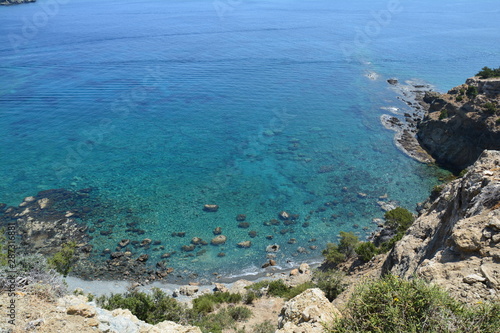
(462, 123)
(455, 242)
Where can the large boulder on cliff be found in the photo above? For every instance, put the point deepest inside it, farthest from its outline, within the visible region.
(307, 312)
(462, 123)
(455, 242)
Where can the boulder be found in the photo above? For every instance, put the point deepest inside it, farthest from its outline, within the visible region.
(245, 244)
(124, 242)
(83, 310)
(211, 208)
(43, 203)
(218, 240)
(143, 258)
(196, 240)
(217, 231)
(219, 287)
(273, 248)
(283, 215)
(188, 290)
(307, 312)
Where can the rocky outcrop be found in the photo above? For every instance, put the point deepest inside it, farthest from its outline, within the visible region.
(462, 123)
(455, 242)
(307, 312)
(118, 320)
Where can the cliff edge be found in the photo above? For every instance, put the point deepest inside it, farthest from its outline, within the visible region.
(455, 242)
(462, 123)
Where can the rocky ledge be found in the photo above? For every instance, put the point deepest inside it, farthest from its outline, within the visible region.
(455, 242)
(462, 123)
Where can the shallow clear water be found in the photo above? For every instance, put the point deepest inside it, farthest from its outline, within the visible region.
(256, 106)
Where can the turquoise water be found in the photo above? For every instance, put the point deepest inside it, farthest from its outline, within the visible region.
(256, 106)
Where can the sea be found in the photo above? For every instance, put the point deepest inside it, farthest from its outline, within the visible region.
(257, 106)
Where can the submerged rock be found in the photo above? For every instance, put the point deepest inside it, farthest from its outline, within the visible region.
(245, 244)
(273, 248)
(210, 208)
(218, 240)
(284, 215)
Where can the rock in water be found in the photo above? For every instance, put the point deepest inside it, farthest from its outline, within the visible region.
(245, 244)
(218, 240)
(211, 208)
(284, 215)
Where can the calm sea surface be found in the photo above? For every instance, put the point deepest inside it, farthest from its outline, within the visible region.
(256, 106)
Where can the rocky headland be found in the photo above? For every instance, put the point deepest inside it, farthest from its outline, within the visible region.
(461, 123)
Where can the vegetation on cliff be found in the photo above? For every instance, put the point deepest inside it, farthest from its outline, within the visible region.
(487, 73)
(391, 304)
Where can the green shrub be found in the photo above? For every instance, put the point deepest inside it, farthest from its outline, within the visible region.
(207, 303)
(274, 288)
(335, 254)
(330, 282)
(399, 219)
(217, 322)
(394, 305)
(332, 254)
(347, 244)
(472, 92)
(459, 98)
(389, 245)
(64, 260)
(264, 327)
(497, 121)
(487, 72)
(151, 308)
(490, 107)
(250, 297)
(278, 288)
(239, 313)
(443, 114)
(366, 251)
(436, 191)
(297, 290)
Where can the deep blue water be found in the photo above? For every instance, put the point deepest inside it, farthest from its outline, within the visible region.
(257, 106)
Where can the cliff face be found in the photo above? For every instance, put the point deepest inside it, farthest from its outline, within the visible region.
(455, 242)
(462, 123)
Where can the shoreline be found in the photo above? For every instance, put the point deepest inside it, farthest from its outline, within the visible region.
(405, 124)
(107, 287)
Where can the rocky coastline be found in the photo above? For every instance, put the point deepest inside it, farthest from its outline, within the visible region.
(460, 124)
(450, 129)
(406, 125)
(453, 243)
